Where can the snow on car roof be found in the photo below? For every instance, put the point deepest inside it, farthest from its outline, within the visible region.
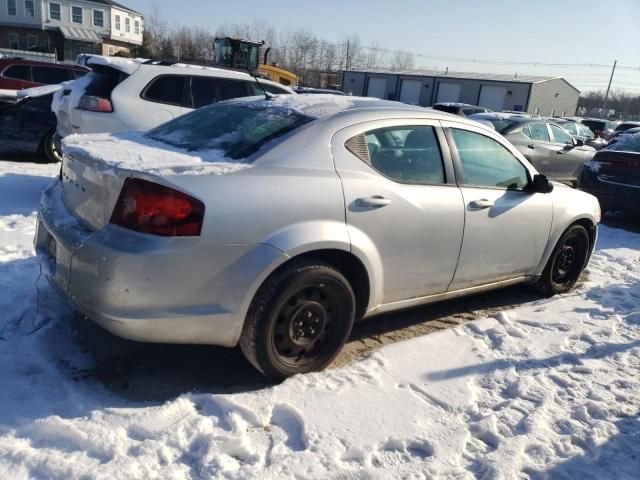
(126, 65)
(321, 105)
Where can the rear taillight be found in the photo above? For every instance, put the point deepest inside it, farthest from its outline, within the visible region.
(148, 207)
(95, 104)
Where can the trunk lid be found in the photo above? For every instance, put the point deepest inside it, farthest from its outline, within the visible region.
(90, 192)
(618, 167)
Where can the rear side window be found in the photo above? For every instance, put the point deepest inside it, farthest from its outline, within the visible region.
(49, 75)
(19, 72)
(538, 131)
(486, 163)
(166, 89)
(406, 154)
(208, 90)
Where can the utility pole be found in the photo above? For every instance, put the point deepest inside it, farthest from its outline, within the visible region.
(346, 60)
(606, 96)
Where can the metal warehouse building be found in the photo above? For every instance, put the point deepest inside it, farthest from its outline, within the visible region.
(545, 96)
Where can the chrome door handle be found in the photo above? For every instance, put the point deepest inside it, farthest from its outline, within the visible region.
(375, 201)
(481, 204)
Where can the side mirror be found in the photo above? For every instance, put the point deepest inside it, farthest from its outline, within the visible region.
(540, 184)
(578, 142)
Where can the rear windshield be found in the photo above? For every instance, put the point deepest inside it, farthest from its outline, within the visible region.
(501, 124)
(628, 143)
(104, 80)
(236, 130)
(446, 108)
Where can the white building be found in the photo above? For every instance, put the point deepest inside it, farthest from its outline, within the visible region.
(69, 27)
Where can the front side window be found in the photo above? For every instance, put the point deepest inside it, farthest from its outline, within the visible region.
(127, 25)
(18, 72)
(29, 8)
(76, 14)
(136, 26)
(98, 18)
(406, 154)
(54, 11)
(560, 135)
(167, 89)
(12, 7)
(117, 22)
(570, 127)
(584, 131)
(207, 90)
(487, 163)
(538, 131)
(235, 130)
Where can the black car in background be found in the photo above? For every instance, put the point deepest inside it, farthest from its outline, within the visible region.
(601, 128)
(548, 146)
(28, 126)
(462, 109)
(614, 175)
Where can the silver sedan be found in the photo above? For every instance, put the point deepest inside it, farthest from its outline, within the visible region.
(275, 223)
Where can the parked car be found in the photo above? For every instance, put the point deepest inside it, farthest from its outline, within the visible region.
(122, 95)
(389, 207)
(548, 146)
(463, 109)
(317, 91)
(18, 74)
(601, 128)
(620, 135)
(580, 131)
(27, 124)
(614, 175)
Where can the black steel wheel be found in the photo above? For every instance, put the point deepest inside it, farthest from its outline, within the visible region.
(566, 262)
(299, 320)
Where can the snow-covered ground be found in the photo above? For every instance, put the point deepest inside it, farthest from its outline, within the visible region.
(550, 389)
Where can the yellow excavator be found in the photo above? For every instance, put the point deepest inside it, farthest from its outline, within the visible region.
(232, 52)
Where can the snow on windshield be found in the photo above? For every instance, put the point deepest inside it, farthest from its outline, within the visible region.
(135, 151)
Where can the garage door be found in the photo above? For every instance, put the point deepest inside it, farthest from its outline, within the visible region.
(410, 91)
(492, 96)
(448, 92)
(377, 88)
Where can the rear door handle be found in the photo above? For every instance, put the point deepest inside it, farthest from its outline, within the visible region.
(481, 204)
(376, 201)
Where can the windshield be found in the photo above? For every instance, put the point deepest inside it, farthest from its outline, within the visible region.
(236, 130)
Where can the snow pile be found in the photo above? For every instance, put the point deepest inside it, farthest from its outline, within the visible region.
(135, 151)
(549, 389)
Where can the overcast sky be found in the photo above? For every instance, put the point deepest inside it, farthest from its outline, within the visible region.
(548, 31)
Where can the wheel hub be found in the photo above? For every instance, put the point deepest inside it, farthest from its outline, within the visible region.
(307, 323)
(566, 259)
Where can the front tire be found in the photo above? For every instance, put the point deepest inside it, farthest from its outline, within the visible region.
(299, 320)
(566, 263)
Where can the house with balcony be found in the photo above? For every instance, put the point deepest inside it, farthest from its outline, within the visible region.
(69, 27)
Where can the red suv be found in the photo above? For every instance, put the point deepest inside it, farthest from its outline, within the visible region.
(16, 74)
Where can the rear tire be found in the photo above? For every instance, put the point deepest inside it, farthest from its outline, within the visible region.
(49, 148)
(299, 320)
(566, 263)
